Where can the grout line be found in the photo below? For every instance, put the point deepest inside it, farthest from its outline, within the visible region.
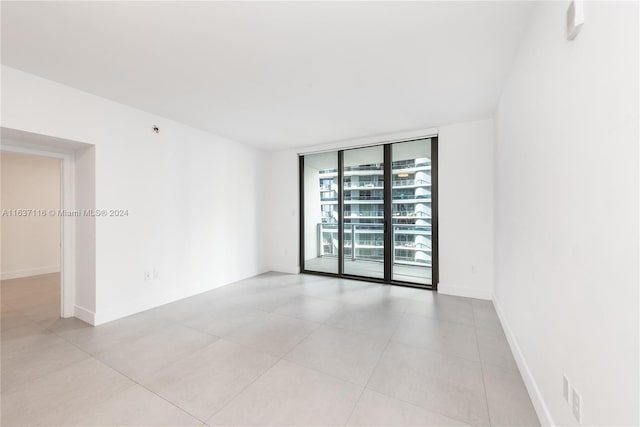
(94, 357)
(354, 406)
(231, 399)
(405, 401)
(282, 358)
(484, 386)
(435, 411)
(375, 367)
(331, 298)
(395, 330)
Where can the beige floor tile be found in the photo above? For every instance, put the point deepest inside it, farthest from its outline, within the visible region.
(378, 322)
(61, 325)
(105, 337)
(267, 300)
(272, 334)
(335, 334)
(375, 296)
(485, 315)
(509, 402)
(375, 409)
(13, 319)
(135, 407)
(221, 320)
(449, 338)
(332, 288)
(347, 355)
(178, 311)
(452, 312)
(54, 398)
(23, 339)
(289, 394)
(444, 384)
(494, 349)
(310, 308)
(438, 298)
(206, 380)
(36, 360)
(140, 358)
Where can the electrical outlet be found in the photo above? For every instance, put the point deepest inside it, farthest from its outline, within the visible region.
(565, 388)
(147, 275)
(156, 273)
(576, 405)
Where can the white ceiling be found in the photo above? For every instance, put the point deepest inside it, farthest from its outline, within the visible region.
(276, 75)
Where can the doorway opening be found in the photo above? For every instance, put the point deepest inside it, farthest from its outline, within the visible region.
(371, 213)
(31, 200)
(76, 232)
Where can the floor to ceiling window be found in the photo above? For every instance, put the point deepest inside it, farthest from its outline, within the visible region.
(371, 212)
(320, 200)
(363, 207)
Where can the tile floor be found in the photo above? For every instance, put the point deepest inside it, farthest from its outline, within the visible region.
(275, 349)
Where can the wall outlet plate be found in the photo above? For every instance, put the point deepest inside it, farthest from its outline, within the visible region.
(147, 275)
(576, 405)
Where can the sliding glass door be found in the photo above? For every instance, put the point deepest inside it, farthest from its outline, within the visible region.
(363, 212)
(320, 211)
(371, 212)
(411, 222)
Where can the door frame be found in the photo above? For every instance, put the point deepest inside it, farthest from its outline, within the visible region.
(67, 229)
(388, 177)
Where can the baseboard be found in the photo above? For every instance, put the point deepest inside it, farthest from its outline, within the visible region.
(18, 274)
(464, 291)
(85, 315)
(544, 416)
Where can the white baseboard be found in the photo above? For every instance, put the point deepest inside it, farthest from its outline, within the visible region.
(85, 315)
(18, 274)
(544, 416)
(464, 291)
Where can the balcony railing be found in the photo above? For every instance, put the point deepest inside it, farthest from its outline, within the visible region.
(352, 214)
(365, 197)
(411, 214)
(411, 197)
(371, 236)
(410, 182)
(373, 167)
(357, 185)
(411, 165)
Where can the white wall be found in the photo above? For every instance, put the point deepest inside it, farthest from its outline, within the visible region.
(85, 232)
(567, 212)
(196, 201)
(284, 210)
(30, 244)
(465, 210)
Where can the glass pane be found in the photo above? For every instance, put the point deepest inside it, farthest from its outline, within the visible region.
(363, 190)
(411, 210)
(321, 212)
